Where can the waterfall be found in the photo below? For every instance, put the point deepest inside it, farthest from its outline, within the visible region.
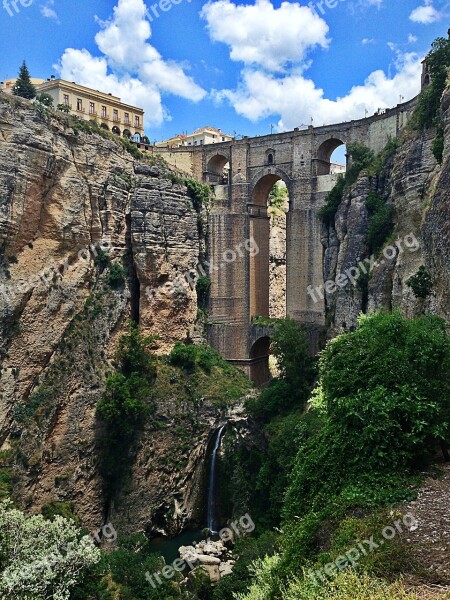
(211, 520)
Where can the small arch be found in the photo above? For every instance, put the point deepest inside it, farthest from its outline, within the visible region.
(104, 126)
(115, 130)
(218, 169)
(426, 80)
(137, 137)
(259, 361)
(324, 154)
(127, 133)
(145, 140)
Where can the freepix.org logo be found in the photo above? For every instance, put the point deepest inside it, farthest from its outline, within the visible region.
(12, 6)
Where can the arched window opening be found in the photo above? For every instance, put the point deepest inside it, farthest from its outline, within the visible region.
(218, 170)
(331, 157)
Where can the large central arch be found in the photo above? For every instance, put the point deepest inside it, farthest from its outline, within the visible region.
(260, 233)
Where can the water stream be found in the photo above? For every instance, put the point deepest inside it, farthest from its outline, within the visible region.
(211, 520)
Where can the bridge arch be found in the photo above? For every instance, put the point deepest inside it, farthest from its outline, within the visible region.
(324, 152)
(261, 293)
(259, 361)
(217, 168)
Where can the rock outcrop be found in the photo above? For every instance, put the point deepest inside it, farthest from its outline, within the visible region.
(417, 187)
(70, 203)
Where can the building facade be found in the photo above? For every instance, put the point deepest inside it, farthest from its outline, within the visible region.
(91, 105)
(200, 137)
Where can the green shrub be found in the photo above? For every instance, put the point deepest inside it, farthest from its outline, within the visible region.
(388, 405)
(116, 275)
(421, 283)
(45, 99)
(64, 509)
(184, 356)
(200, 194)
(202, 286)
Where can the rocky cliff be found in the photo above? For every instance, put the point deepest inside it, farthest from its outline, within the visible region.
(77, 214)
(417, 187)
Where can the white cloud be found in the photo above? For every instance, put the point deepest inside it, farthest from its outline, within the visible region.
(425, 14)
(259, 34)
(412, 39)
(48, 11)
(130, 67)
(367, 41)
(296, 99)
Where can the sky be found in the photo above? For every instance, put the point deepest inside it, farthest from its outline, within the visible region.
(248, 67)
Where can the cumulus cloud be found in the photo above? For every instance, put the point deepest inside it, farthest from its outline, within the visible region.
(425, 14)
(129, 67)
(367, 41)
(296, 99)
(273, 47)
(260, 34)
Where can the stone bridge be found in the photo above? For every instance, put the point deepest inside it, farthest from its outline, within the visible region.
(240, 278)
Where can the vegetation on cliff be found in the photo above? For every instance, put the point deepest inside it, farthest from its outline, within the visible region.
(378, 414)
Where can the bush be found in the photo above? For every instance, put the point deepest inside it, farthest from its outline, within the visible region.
(388, 405)
(202, 287)
(45, 99)
(116, 275)
(40, 558)
(421, 283)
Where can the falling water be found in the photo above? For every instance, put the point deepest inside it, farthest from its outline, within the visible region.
(211, 521)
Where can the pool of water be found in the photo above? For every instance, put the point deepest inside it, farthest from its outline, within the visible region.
(168, 547)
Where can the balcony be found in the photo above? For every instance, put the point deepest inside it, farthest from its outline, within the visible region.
(105, 117)
(117, 120)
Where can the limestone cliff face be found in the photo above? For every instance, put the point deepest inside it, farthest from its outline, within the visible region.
(65, 198)
(417, 187)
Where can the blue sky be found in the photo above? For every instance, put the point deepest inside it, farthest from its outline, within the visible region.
(235, 65)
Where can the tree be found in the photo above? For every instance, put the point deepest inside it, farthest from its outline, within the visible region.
(278, 195)
(40, 558)
(23, 86)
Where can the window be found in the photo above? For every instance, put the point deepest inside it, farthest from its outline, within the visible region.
(195, 143)
(223, 139)
(66, 100)
(127, 118)
(91, 108)
(79, 104)
(104, 111)
(115, 115)
(201, 142)
(270, 159)
(137, 121)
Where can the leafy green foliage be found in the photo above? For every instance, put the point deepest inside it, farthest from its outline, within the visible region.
(51, 510)
(121, 574)
(291, 349)
(45, 99)
(278, 196)
(387, 393)
(362, 157)
(421, 283)
(380, 221)
(127, 401)
(23, 86)
(40, 558)
(63, 108)
(202, 286)
(116, 275)
(438, 62)
(200, 194)
(427, 113)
